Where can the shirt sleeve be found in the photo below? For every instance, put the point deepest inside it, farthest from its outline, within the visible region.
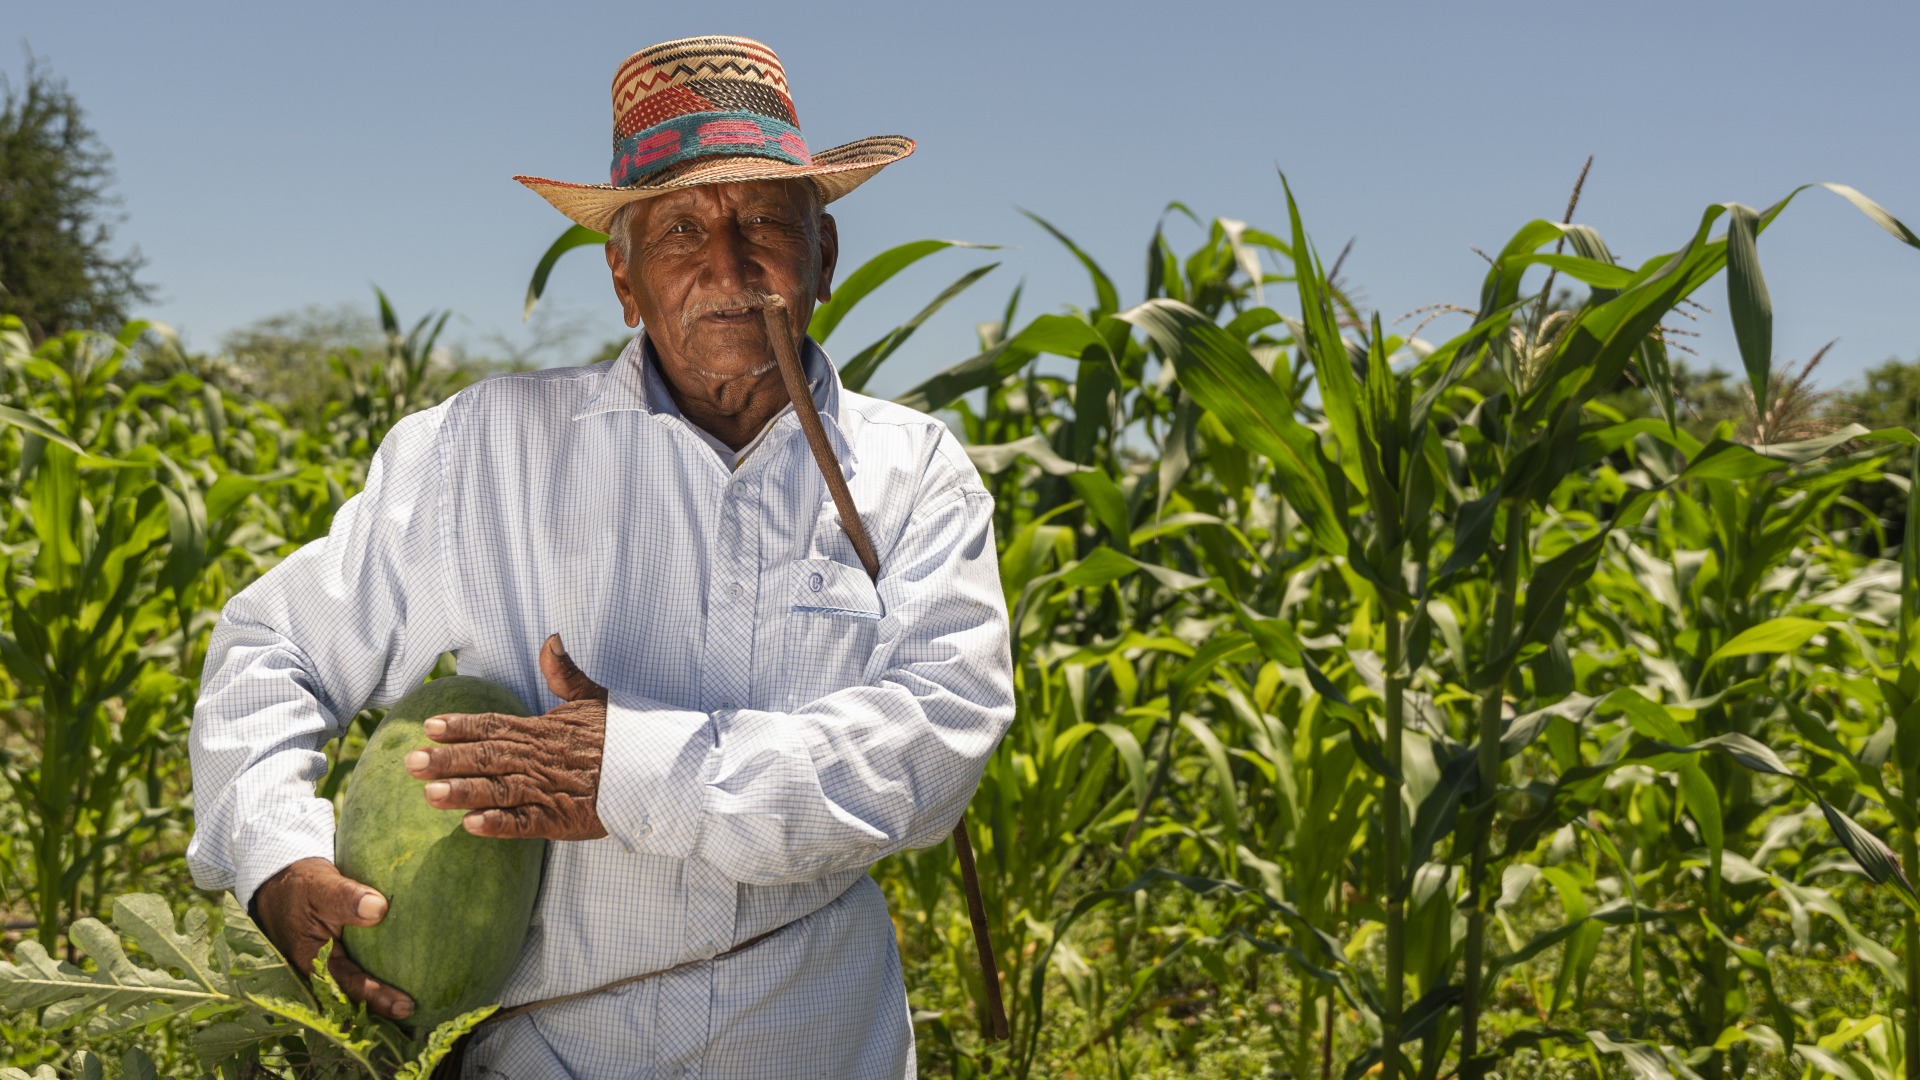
(770, 798)
(355, 618)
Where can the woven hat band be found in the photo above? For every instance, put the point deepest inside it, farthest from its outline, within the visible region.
(705, 134)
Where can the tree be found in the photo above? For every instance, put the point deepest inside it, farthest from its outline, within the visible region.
(58, 269)
(1891, 397)
(299, 361)
(286, 360)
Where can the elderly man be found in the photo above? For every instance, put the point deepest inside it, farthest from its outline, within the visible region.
(741, 722)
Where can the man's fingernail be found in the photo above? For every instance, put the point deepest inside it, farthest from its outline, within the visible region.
(475, 822)
(434, 727)
(438, 790)
(371, 906)
(402, 1009)
(416, 760)
(553, 645)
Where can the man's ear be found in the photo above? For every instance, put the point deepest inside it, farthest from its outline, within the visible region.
(622, 286)
(829, 255)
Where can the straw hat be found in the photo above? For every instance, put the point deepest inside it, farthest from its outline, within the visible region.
(709, 110)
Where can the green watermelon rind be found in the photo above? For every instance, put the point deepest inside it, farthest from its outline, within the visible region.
(458, 905)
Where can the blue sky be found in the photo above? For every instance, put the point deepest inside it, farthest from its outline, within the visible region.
(272, 156)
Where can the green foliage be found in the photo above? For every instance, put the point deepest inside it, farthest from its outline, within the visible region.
(1890, 397)
(285, 360)
(132, 510)
(1383, 705)
(255, 1009)
(349, 373)
(115, 525)
(58, 271)
(135, 1065)
(1420, 620)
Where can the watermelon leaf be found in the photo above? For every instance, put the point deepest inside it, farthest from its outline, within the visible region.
(440, 1043)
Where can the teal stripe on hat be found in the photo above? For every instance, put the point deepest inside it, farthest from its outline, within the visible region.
(704, 135)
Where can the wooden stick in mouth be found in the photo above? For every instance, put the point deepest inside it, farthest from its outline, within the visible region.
(780, 336)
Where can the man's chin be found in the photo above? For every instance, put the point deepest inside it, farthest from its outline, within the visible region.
(730, 364)
(741, 372)
(734, 352)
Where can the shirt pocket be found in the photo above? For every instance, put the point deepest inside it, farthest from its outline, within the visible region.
(833, 623)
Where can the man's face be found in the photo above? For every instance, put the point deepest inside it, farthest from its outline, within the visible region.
(703, 260)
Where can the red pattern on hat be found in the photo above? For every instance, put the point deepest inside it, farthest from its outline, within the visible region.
(665, 105)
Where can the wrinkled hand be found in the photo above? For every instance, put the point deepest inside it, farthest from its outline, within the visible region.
(304, 906)
(523, 776)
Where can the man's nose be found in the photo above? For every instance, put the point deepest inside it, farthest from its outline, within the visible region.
(729, 258)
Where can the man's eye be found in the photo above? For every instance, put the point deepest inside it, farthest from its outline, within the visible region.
(681, 227)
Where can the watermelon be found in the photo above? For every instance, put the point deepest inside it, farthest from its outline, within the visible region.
(458, 905)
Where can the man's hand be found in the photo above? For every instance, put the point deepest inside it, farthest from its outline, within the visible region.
(304, 906)
(523, 776)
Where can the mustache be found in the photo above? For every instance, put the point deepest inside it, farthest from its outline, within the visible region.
(748, 299)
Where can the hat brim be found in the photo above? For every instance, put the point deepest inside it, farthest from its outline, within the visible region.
(835, 171)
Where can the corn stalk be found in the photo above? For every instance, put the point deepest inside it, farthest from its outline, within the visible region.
(1904, 696)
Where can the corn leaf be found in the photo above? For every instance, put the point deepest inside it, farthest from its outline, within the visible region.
(575, 236)
(1778, 635)
(1106, 297)
(855, 373)
(994, 458)
(1224, 378)
(1748, 302)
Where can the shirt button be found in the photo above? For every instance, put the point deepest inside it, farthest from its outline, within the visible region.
(734, 590)
(817, 581)
(727, 706)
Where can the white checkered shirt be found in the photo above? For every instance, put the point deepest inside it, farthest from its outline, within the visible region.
(776, 724)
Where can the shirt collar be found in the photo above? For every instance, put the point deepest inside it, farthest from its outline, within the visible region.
(633, 383)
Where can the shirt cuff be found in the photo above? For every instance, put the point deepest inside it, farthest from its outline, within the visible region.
(274, 841)
(653, 776)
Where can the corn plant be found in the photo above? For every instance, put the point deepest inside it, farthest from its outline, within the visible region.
(1902, 697)
(85, 600)
(379, 393)
(1376, 484)
(142, 506)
